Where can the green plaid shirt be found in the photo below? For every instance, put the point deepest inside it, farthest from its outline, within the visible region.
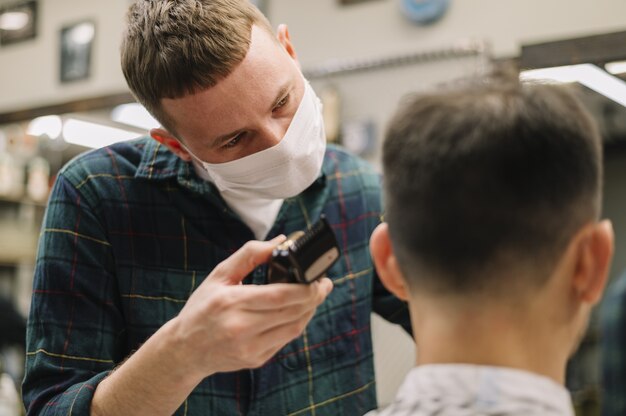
(613, 350)
(130, 232)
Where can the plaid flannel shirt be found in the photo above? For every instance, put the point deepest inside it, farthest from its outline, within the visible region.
(613, 330)
(130, 231)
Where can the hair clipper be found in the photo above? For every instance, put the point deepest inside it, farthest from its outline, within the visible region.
(305, 256)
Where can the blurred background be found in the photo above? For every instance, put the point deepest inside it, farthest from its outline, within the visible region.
(62, 92)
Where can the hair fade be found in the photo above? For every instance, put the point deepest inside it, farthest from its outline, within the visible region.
(486, 180)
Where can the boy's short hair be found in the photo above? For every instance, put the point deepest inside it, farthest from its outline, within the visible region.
(172, 48)
(486, 179)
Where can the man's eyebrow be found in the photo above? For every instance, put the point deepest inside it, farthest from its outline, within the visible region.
(225, 137)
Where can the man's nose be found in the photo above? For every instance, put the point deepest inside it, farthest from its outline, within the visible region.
(271, 134)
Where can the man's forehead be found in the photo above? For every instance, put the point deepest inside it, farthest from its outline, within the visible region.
(251, 87)
(265, 60)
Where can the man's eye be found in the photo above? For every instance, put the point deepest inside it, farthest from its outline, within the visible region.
(282, 103)
(234, 141)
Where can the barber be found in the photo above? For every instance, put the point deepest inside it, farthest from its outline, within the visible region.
(150, 294)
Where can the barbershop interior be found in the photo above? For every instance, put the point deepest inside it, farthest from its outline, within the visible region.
(63, 93)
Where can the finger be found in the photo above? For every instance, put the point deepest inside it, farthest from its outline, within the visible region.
(280, 295)
(258, 323)
(278, 339)
(326, 286)
(235, 268)
(277, 336)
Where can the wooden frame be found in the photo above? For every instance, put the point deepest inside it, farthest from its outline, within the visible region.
(76, 44)
(596, 49)
(29, 31)
(75, 106)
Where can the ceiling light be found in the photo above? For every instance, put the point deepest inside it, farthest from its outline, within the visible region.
(49, 126)
(618, 67)
(134, 115)
(588, 75)
(3, 141)
(14, 20)
(84, 133)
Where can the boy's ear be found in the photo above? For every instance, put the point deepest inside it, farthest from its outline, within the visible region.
(593, 260)
(386, 262)
(166, 139)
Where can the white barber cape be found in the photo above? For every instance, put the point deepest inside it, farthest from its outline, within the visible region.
(472, 390)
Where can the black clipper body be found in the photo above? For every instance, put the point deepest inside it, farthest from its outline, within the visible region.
(305, 256)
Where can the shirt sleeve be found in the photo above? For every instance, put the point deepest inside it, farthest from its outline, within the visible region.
(75, 330)
(384, 303)
(613, 318)
(390, 307)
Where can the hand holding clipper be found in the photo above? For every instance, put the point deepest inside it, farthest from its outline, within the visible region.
(305, 256)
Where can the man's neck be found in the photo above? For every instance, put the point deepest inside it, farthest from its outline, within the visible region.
(501, 337)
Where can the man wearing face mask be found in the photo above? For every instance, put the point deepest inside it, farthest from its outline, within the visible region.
(149, 295)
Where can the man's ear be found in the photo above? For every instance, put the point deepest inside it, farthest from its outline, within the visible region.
(386, 263)
(593, 260)
(285, 40)
(166, 139)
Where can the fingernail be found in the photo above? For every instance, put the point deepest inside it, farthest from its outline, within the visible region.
(279, 238)
(330, 287)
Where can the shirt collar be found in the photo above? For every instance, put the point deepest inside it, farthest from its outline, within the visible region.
(158, 162)
(485, 386)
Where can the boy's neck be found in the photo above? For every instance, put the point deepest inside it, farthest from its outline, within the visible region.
(501, 337)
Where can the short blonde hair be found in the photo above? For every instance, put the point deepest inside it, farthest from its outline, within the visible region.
(172, 48)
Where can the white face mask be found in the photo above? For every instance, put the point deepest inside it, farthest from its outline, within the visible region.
(283, 170)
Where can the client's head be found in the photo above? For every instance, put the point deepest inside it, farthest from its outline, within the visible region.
(493, 194)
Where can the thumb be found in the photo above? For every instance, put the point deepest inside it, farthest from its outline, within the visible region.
(235, 268)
